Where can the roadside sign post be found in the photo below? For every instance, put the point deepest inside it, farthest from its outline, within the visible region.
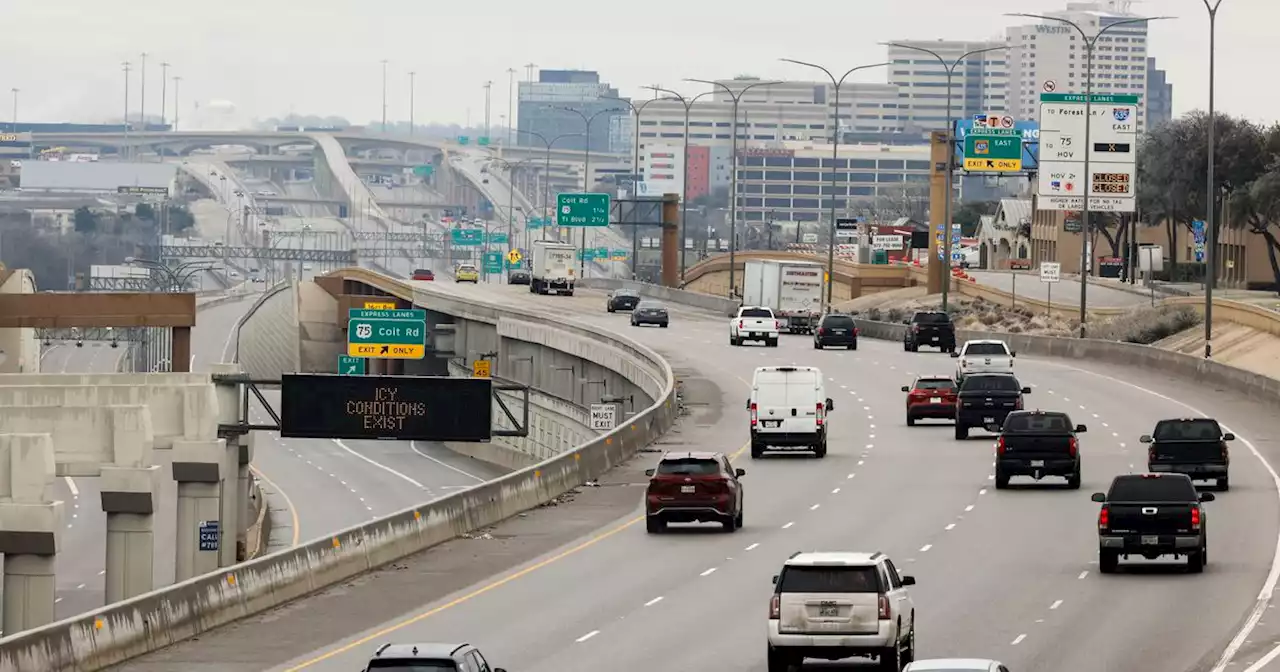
(209, 535)
(387, 334)
(1051, 274)
(581, 210)
(604, 417)
(492, 263)
(481, 368)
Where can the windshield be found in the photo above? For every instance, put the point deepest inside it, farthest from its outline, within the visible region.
(936, 384)
(931, 318)
(838, 322)
(646, 305)
(1038, 422)
(1152, 489)
(625, 294)
(689, 466)
(467, 268)
(1187, 430)
(991, 384)
(756, 312)
(986, 349)
(413, 665)
(802, 579)
(421, 271)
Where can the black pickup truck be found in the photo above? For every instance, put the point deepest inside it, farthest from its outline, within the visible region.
(1196, 447)
(1038, 444)
(986, 399)
(1152, 515)
(932, 328)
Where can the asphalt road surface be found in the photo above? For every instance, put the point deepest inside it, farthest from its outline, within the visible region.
(1067, 291)
(1009, 575)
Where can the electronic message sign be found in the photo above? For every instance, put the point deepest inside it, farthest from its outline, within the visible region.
(406, 408)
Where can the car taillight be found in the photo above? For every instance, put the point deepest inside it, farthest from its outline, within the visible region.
(915, 328)
(777, 325)
(775, 607)
(1017, 404)
(1000, 446)
(1151, 455)
(753, 415)
(1195, 517)
(856, 331)
(1073, 446)
(1102, 518)
(821, 331)
(742, 324)
(1226, 452)
(820, 410)
(884, 608)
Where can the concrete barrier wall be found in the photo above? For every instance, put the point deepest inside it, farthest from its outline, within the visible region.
(99, 639)
(181, 411)
(269, 334)
(716, 304)
(1201, 370)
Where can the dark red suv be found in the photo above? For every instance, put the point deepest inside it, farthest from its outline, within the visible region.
(931, 397)
(693, 487)
(423, 274)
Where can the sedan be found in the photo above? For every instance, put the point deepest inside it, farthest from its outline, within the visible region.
(649, 312)
(466, 273)
(956, 665)
(622, 299)
(518, 278)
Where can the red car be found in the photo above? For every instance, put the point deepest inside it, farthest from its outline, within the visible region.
(693, 487)
(931, 397)
(423, 274)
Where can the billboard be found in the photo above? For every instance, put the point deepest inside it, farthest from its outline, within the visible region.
(1030, 141)
(406, 408)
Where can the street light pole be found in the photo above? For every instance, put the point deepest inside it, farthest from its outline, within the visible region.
(177, 81)
(511, 97)
(15, 91)
(586, 174)
(950, 69)
(142, 93)
(684, 189)
(1090, 43)
(546, 175)
(733, 166)
(488, 91)
(411, 76)
(125, 149)
(384, 95)
(835, 162)
(1211, 250)
(164, 90)
(635, 173)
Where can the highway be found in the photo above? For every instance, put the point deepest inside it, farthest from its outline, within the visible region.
(1010, 575)
(1067, 291)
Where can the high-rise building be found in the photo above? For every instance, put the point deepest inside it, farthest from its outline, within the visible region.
(556, 105)
(1159, 95)
(979, 84)
(1048, 51)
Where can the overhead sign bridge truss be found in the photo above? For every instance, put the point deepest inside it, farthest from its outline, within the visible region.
(259, 253)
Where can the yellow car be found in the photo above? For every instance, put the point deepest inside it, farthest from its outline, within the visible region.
(467, 273)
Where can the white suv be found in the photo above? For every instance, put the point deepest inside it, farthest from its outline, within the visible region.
(986, 356)
(839, 605)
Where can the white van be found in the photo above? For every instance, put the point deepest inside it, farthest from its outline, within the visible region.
(788, 407)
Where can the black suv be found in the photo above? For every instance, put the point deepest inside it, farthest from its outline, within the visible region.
(836, 329)
(932, 328)
(622, 299)
(429, 658)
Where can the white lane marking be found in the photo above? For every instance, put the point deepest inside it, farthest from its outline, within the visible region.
(814, 507)
(873, 427)
(860, 463)
(925, 548)
(709, 572)
(1083, 574)
(1263, 661)
(865, 408)
(191, 366)
(71, 485)
(850, 476)
(379, 465)
(1122, 445)
(1105, 425)
(1018, 640)
(414, 446)
(79, 587)
(950, 526)
(1095, 415)
(654, 601)
(870, 446)
(788, 525)
(873, 435)
(1115, 434)
(835, 491)
(102, 572)
(587, 636)
(1082, 407)
(968, 508)
(1056, 604)
(752, 547)
(982, 491)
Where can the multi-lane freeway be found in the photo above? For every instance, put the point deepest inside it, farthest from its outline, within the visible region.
(1009, 574)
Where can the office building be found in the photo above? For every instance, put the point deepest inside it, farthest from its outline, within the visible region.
(556, 104)
(793, 182)
(978, 86)
(1048, 51)
(1159, 95)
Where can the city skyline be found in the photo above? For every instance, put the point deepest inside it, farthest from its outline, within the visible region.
(284, 72)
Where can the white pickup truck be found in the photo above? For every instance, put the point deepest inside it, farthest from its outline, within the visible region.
(987, 356)
(754, 323)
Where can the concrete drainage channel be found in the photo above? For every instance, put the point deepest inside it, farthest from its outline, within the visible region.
(118, 632)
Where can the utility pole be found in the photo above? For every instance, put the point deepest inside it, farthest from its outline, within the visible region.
(164, 90)
(528, 71)
(411, 76)
(142, 94)
(177, 81)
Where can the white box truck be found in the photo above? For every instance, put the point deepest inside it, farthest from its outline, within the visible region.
(553, 267)
(793, 289)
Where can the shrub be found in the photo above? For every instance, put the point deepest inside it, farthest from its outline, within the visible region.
(1147, 326)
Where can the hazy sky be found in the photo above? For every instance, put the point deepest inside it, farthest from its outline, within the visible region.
(271, 57)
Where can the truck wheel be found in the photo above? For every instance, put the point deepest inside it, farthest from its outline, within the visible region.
(1002, 480)
(1108, 560)
(733, 341)
(1195, 562)
(816, 346)
(1224, 484)
(854, 346)
(773, 342)
(1073, 481)
(962, 432)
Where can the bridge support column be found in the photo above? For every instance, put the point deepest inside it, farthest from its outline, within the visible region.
(244, 489)
(30, 531)
(198, 467)
(939, 192)
(129, 500)
(229, 408)
(671, 244)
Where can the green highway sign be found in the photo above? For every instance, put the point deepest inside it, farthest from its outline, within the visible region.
(387, 334)
(1098, 98)
(492, 262)
(582, 209)
(350, 366)
(513, 265)
(497, 239)
(588, 254)
(534, 223)
(620, 255)
(467, 236)
(424, 171)
(483, 141)
(462, 139)
(993, 149)
(602, 253)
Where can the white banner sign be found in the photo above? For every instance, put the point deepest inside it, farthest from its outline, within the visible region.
(809, 238)
(604, 417)
(1050, 271)
(887, 242)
